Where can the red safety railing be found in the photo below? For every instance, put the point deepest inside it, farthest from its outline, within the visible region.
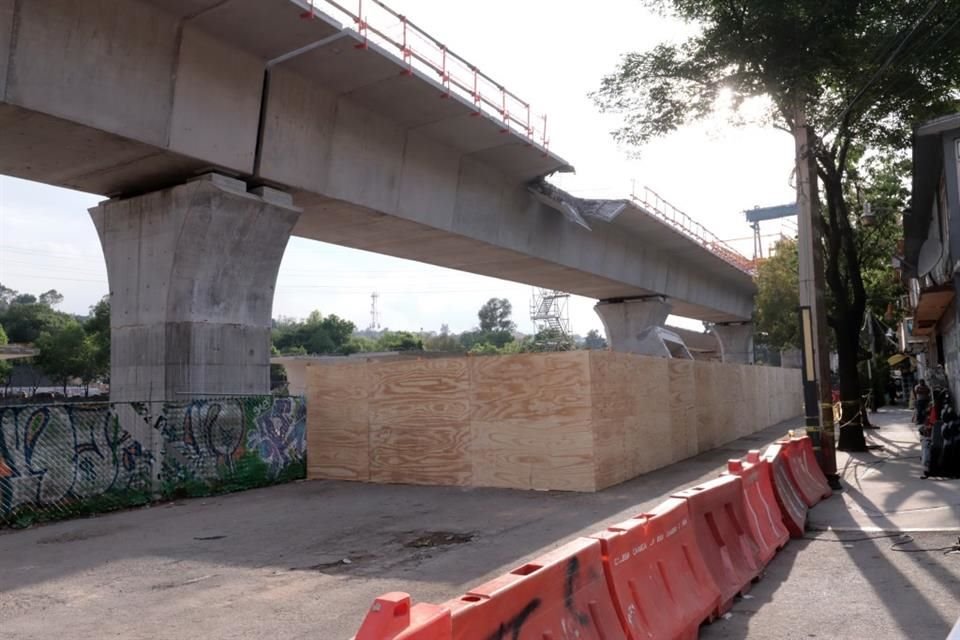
(378, 23)
(651, 201)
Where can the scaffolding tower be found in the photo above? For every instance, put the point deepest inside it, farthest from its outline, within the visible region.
(549, 311)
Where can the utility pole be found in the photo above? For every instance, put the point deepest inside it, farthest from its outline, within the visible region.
(817, 394)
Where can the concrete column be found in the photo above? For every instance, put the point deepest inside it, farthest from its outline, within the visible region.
(736, 341)
(192, 271)
(629, 323)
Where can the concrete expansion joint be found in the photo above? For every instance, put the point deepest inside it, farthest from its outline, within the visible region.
(269, 195)
(651, 298)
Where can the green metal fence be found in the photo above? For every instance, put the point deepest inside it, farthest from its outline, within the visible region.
(58, 461)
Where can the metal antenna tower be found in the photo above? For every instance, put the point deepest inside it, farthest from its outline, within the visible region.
(549, 310)
(374, 314)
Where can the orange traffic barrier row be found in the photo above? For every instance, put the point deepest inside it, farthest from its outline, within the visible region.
(562, 594)
(792, 507)
(764, 517)
(392, 618)
(658, 575)
(810, 483)
(660, 583)
(727, 546)
(811, 468)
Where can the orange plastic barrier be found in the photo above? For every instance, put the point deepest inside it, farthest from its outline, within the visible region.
(810, 484)
(392, 618)
(763, 514)
(720, 522)
(811, 468)
(562, 594)
(660, 583)
(792, 506)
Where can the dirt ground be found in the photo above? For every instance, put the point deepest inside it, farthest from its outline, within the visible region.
(305, 561)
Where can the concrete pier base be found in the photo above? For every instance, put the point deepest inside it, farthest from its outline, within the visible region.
(627, 324)
(736, 341)
(192, 271)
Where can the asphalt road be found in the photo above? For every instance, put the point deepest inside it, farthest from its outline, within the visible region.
(305, 561)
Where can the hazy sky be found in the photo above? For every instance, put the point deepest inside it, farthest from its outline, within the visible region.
(547, 51)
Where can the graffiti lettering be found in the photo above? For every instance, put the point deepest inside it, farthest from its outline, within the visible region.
(55, 457)
(570, 589)
(515, 624)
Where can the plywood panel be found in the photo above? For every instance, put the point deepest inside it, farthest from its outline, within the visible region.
(682, 394)
(419, 421)
(530, 386)
(528, 454)
(337, 422)
(575, 421)
(707, 397)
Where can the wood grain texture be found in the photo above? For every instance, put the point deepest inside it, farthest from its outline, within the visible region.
(419, 422)
(337, 421)
(577, 421)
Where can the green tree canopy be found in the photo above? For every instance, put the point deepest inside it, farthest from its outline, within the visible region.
(25, 321)
(97, 328)
(853, 76)
(5, 365)
(495, 315)
(594, 340)
(315, 335)
(65, 353)
(776, 307)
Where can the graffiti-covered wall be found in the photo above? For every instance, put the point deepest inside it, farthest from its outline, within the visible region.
(60, 460)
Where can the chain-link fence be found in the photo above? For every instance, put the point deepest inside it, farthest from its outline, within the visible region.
(62, 460)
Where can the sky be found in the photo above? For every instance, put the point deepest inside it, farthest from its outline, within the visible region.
(549, 52)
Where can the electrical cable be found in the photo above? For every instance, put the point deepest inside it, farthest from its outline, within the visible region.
(905, 538)
(886, 64)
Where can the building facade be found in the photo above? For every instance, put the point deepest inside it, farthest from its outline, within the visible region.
(931, 256)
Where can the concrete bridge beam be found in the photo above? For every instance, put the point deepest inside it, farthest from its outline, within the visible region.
(192, 271)
(627, 323)
(736, 341)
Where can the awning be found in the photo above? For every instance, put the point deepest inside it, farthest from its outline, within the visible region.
(931, 306)
(897, 359)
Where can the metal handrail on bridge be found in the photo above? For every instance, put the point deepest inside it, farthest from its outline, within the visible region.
(651, 201)
(420, 50)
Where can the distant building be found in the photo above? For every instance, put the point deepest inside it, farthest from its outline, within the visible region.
(930, 265)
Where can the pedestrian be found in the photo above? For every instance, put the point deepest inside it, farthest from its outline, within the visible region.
(921, 394)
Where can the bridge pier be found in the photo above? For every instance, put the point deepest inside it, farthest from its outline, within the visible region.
(192, 271)
(736, 341)
(628, 323)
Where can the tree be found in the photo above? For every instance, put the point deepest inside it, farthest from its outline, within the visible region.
(5, 366)
(495, 315)
(315, 335)
(775, 316)
(25, 322)
(551, 340)
(859, 74)
(97, 328)
(594, 340)
(6, 297)
(51, 298)
(66, 353)
(24, 298)
(399, 341)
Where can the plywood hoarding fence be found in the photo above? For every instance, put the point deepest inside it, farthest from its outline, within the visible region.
(578, 421)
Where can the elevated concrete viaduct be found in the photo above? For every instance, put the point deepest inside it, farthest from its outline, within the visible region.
(312, 129)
